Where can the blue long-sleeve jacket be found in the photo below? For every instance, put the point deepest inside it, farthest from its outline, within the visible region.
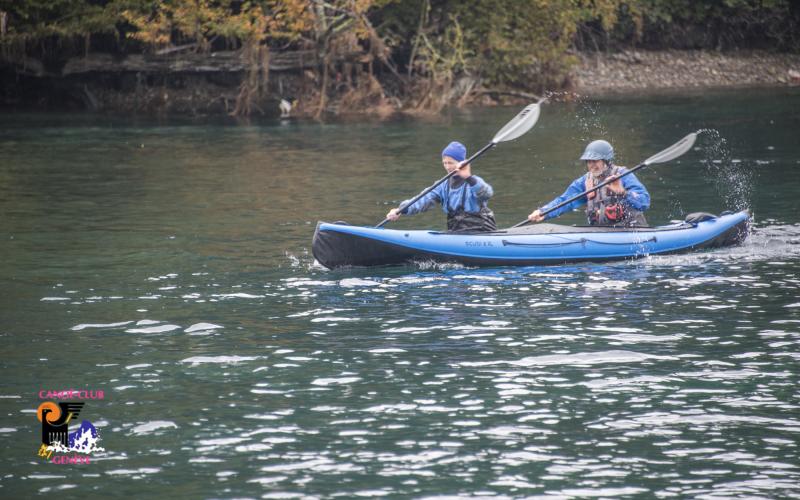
(473, 193)
(636, 197)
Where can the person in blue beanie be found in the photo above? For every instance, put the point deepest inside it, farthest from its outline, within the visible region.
(463, 197)
(619, 204)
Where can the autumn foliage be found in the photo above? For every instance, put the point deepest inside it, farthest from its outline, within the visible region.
(420, 54)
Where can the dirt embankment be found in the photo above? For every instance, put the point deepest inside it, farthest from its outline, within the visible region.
(644, 71)
(212, 84)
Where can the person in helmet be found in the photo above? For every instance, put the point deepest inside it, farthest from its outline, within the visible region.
(464, 197)
(620, 203)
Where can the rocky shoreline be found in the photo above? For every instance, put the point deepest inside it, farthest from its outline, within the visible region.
(657, 71)
(192, 85)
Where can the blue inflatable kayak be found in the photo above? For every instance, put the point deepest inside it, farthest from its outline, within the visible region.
(338, 245)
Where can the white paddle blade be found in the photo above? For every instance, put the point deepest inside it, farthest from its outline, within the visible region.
(673, 151)
(518, 125)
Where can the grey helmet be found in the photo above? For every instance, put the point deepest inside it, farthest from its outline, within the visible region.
(598, 150)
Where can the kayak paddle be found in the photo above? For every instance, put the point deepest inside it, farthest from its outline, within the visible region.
(672, 152)
(524, 121)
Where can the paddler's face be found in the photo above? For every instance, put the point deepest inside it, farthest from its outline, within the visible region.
(596, 167)
(449, 164)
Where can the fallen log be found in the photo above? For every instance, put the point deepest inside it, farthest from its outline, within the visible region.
(212, 62)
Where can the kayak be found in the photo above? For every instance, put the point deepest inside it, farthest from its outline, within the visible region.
(338, 244)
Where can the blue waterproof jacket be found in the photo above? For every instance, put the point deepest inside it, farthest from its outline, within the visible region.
(471, 195)
(636, 197)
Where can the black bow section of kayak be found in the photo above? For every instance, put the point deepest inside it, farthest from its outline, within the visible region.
(333, 249)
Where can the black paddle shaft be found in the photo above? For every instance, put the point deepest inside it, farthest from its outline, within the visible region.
(579, 196)
(436, 184)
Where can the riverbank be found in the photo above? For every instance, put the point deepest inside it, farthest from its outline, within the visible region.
(655, 72)
(211, 84)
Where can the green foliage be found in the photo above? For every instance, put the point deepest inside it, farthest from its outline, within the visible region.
(200, 21)
(721, 24)
(521, 44)
(37, 19)
(155, 23)
(516, 43)
(525, 44)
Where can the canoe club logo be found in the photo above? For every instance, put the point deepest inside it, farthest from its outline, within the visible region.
(59, 444)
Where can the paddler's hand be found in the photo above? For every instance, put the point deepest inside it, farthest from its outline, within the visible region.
(616, 187)
(465, 171)
(536, 216)
(393, 214)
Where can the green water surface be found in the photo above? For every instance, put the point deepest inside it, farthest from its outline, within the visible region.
(167, 263)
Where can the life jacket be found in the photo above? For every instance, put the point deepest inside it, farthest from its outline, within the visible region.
(461, 221)
(604, 207)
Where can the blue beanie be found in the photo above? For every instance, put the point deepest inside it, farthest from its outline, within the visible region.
(456, 151)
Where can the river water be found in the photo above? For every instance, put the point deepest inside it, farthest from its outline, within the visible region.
(167, 264)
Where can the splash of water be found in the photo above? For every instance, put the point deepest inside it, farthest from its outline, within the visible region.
(429, 265)
(590, 124)
(733, 179)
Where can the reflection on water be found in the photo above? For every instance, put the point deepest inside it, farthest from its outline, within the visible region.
(179, 281)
